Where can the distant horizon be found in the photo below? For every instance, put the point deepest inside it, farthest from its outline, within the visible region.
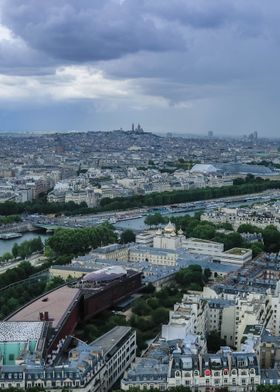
(160, 133)
(198, 65)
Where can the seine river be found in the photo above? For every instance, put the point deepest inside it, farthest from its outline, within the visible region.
(134, 224)
(6, 245)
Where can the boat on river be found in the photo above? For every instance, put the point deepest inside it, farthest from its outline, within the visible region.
(10, 236)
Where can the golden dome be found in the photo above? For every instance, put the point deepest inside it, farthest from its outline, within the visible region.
(170, 228)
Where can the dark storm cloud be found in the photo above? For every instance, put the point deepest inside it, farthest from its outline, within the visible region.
(94, 30)
(209, 55)
(88, 30)
(197, 14)
(91, 30)
(17, 58)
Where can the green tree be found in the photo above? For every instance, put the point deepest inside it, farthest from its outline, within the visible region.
(154, 219)
(248, 228)
(271, 239)
(194, 287)
(32, 389)
(148, 289)
(257, 248)
(207, 274)
(6, 256)
(15, 250)
(12, 304)
(268, 388)
(153, 302)
(127, 236)
(232, 240)
(204, 231)
(190, 275)
(160, 315)
(80, 241)
(141, 308)
(54, 282)
(225, 225)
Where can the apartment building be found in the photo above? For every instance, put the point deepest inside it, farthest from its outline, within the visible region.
(75, 365)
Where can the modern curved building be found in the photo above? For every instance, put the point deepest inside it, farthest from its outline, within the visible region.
(36, 343)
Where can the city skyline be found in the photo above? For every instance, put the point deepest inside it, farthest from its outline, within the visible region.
(184, 67)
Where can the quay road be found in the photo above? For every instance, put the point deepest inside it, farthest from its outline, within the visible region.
(19, 227)
(35, 260)
(117, 217)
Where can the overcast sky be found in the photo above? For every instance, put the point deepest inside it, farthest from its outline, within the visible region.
(173, 65)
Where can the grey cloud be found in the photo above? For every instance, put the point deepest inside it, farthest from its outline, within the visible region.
(217, 55)
(87, 30)
(194, 13)
(91, 30)
(16, 58)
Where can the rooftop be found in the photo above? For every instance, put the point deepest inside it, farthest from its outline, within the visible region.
(11, 331)
(194, 239)
(237, 251)
(109, 248)
(254, 329)
(107, 274)
(55, 303)
(107, 341)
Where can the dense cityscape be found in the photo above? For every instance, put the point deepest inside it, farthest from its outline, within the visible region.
(139, 196)
(133, 260)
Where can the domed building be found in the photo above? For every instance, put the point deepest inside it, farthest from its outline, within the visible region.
(168, 238)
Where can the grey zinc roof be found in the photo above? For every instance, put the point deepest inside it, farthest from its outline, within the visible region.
(107, 341)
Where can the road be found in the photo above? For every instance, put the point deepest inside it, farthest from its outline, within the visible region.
(118, 216)
(35, 260)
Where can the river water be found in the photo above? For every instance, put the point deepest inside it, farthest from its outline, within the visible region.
(138, 223)
(7, 245)
(133, 224)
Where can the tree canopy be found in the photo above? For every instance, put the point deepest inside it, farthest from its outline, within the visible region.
(127, 236)
(80, 241)
(154, 219)
(42, 206)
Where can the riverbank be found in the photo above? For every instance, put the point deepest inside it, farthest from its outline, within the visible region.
(7, 245)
